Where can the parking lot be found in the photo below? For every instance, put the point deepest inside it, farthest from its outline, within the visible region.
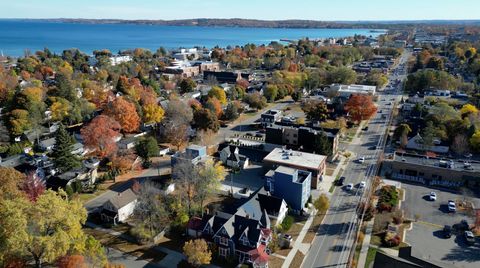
(426, 236)
(436, 212)
(429, 243)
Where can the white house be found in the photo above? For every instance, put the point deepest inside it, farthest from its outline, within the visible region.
(120, 207)
(416, 143)
(231, 158)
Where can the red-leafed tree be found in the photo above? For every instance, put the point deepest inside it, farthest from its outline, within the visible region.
(72, 261)
(243, 83)
(33, 186)
(99, 136)
(125, 113)
(360, 107)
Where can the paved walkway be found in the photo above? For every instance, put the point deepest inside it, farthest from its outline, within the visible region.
(299, 245)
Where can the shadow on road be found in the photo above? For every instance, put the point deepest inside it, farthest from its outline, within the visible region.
(463, 252)
(331, 229)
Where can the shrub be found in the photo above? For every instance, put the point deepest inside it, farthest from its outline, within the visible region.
(141, 233)
(287, 223)
(397, 220)
(391, 240)
(384, 207)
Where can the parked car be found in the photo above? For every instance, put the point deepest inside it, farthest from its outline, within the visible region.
(451, 206)
(365, 128)
(163, 151)
(341, 181)
(361, 160)
(469, 237)
(447, 231)
(349, 187)
(362, 185)
(432, 196)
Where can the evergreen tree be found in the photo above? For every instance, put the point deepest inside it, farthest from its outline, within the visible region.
(147, 148)
(322, 145)
(62, 151)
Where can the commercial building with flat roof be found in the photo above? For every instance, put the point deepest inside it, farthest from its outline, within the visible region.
(313, 163)
(348, 90)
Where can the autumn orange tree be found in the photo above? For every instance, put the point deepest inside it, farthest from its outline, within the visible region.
(360, 107)
(125, 113)
(99, 136)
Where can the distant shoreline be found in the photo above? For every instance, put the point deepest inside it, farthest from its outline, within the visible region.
(252, 23)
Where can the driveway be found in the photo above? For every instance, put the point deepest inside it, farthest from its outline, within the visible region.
(428, 243)
(118, 257)
(436, 212)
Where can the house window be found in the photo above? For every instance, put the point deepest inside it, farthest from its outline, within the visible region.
(223, 241)
(223, 252)
(245, 241)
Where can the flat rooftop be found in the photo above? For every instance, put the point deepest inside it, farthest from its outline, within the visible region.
(458, 164)
(295, 158)
(301, 174)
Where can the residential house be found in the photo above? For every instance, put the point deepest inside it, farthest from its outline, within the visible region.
(127, 143)
(314, 163)
(87, 176)
(292, 185)
(246, 233)
(270, 117)
(12, 161)
(193, 154)
(417, 143)
(231, 157)
(120, 207)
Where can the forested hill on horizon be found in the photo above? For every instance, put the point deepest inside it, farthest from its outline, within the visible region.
(236, 22)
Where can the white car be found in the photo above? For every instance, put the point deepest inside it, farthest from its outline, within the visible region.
(432, 196)
(362, 185)
(451, 206)
(361, 160)
(349, 187)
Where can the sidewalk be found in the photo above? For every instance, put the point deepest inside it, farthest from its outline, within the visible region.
(365, 245)
(299, 245)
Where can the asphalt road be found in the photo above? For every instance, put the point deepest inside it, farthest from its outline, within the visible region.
(332, 245)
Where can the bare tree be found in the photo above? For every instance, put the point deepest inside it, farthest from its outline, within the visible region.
(206, 137)
(187, 176)
(460, 144)
(177, 122)
(150, 211)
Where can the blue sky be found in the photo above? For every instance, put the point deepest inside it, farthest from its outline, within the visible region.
(255, 9)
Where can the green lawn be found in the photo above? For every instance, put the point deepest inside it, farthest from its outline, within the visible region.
(370, 256)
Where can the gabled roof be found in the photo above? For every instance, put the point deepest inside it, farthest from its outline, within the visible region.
(123, 198)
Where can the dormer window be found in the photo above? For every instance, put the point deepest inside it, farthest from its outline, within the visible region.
(223, 241)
